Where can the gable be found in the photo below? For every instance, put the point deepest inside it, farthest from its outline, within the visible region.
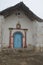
(21, 6)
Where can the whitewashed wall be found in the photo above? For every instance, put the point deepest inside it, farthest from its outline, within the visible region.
(40, 34)
(1, 22)
(34, 29)
(11, 21)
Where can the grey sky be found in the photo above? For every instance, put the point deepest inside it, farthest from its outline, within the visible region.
(35, 5)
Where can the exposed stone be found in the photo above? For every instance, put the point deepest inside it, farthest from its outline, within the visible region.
(20, 57)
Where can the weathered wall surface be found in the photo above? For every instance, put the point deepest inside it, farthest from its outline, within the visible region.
(40, 34)
(1, 28)
(11, 21)
(34, 33)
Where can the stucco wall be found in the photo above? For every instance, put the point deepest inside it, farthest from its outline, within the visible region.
(11, 21)
(40, 34)
(1, 29)
(34, 33)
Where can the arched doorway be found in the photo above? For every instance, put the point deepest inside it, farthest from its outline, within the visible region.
(18, 40)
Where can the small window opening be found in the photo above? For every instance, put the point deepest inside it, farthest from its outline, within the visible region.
(18, 13)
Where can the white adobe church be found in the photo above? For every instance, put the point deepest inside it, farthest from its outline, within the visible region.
(20, 27)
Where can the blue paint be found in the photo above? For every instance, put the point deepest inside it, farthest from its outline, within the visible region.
(18, 40)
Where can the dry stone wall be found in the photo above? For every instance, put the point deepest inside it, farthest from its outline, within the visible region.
(20, 57)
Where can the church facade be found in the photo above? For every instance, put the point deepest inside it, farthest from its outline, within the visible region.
(20, 27)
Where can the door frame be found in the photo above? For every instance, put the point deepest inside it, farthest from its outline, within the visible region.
(12, 31)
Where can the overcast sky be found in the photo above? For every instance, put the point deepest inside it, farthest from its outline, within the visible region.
(35, 5)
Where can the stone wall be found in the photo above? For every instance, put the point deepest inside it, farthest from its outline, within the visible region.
(20, 57)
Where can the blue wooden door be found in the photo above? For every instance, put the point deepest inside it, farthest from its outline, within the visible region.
(17, 40)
